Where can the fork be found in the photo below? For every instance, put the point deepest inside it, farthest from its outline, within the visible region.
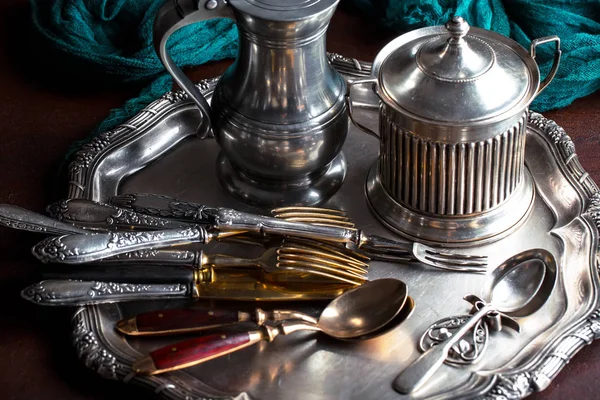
(380, 248)
(323, 224)
(285, 261)
(297, 256)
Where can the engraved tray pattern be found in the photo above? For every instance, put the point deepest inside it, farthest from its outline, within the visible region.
(157, 151)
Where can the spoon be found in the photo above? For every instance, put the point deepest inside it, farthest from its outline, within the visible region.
(518, 287)
(357, 312)
(190, 320)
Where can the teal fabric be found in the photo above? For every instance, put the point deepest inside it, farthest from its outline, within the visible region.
(576, 22)
(111, 40)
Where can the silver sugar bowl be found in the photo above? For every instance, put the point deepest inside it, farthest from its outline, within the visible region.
(278, 113)
(452, 126)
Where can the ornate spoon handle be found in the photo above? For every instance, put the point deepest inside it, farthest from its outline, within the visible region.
(423, 368)
(77, 249)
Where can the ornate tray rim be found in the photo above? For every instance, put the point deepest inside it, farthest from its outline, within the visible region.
(95, 354)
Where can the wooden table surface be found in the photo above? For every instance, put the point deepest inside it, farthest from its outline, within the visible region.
(41, 115)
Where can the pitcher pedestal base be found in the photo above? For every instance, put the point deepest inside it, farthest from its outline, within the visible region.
(307, 191)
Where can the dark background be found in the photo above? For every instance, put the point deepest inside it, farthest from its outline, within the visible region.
(42, 114)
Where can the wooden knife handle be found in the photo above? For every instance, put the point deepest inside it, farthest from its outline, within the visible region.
(194, 351)
(163, 322)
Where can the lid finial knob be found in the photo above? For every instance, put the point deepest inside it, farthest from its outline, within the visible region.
(457, 28)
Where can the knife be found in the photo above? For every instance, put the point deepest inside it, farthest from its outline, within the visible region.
(77, 249)
(234, 285)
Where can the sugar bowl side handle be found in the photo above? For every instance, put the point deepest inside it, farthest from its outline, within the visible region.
(349, 105)
(555, 64)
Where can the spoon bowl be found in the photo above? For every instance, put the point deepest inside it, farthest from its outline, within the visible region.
(364, 309)
(522, 283)
(403, 315)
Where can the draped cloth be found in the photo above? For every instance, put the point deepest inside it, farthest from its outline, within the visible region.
(111, 40)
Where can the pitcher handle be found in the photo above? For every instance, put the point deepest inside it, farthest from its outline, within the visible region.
(349, 106)
(176, 14)
(557, 54)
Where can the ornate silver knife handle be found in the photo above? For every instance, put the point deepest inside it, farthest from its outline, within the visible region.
(77, 249)
(93, 214)
(183, 258)
(80, 293)
(230, 220)
(26, 220)
(163, 206)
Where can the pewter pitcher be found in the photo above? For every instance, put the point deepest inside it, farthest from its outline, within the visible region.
(278, 113)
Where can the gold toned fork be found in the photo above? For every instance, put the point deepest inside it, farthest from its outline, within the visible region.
(297, 256)
(381, 248)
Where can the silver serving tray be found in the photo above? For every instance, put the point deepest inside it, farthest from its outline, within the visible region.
(157, 151)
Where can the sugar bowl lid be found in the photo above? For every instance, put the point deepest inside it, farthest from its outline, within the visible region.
(455, 74)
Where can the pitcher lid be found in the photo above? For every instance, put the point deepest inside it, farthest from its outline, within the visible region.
(283, 10)
(455, 73)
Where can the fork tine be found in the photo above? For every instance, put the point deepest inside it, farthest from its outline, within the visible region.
(458, 263)
(456, 268)
(303, 214)
(321, 221)
(330, 247)
(424, 253)
(455, 256)
(328, 211)
(332, 259)
(316, 218)
(300, 258)
(310, 265)
(325, 274)
(350, 257)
